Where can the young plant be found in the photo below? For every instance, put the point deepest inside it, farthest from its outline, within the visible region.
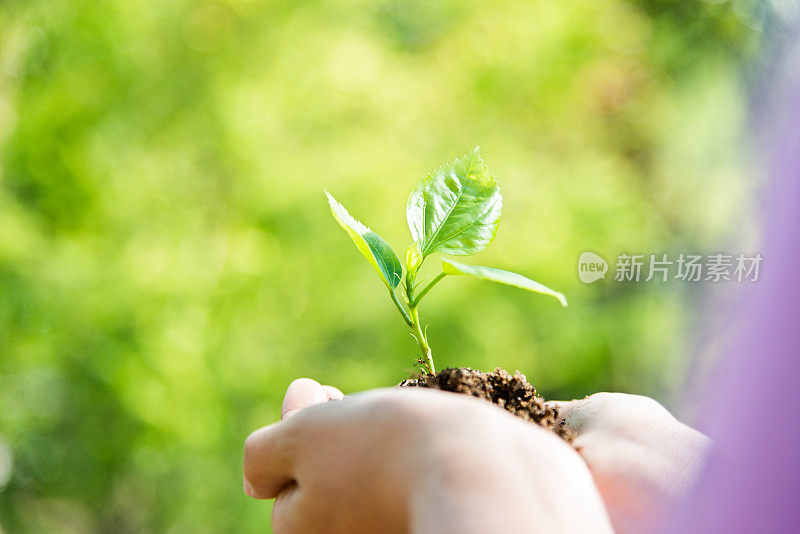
(455, 211)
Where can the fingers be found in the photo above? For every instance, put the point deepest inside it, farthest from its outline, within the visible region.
(268, 460)
(609, 410)
(333, 393)
(305, 392)
(563, 408)
(269, 452)
(302, 393)
(288, 512)
(578, 415)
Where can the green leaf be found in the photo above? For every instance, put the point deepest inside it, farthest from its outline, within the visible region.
(372, 246)
(456, 209)
(503, 277)
(413, 258)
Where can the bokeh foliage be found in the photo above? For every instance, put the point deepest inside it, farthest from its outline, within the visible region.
(168, 262)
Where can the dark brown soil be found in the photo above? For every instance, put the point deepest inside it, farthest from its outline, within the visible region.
(514, 393)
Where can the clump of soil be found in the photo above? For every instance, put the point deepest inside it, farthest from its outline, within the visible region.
(513, 393)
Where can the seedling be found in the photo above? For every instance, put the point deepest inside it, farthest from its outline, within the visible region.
(454, 210)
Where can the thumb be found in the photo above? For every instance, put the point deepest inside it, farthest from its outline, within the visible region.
(302, 393)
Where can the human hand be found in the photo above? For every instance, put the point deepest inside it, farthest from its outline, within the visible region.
(415, 461)
(640, 456)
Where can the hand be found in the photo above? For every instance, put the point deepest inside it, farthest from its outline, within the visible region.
(640, 456)
(418, 461)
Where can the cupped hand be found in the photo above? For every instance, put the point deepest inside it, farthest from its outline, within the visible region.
(418, 461)
(641, 458)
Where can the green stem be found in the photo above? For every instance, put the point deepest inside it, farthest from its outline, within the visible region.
(427, 288)
(424, 348)
(416, 326)
(396, 301)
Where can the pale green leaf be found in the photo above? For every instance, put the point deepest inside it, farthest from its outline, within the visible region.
(413, 258)
(503, 277)
(456, 209)
(372, 246)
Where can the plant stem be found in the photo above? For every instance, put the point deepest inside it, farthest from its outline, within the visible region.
(406, 318)
(427, 288)
(423, 343)
(416, 328)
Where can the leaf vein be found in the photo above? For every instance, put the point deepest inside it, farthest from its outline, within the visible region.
(450, 211)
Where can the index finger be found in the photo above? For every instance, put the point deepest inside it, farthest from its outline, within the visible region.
(269, 454)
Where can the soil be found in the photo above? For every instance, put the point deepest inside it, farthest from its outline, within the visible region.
(513, 393)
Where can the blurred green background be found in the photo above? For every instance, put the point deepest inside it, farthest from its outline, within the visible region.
(168, 263)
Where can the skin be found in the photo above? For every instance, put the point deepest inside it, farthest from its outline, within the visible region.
(429, 462)
(421, 461)
(642, 459)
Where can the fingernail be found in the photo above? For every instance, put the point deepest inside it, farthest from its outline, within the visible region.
(247, 489)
